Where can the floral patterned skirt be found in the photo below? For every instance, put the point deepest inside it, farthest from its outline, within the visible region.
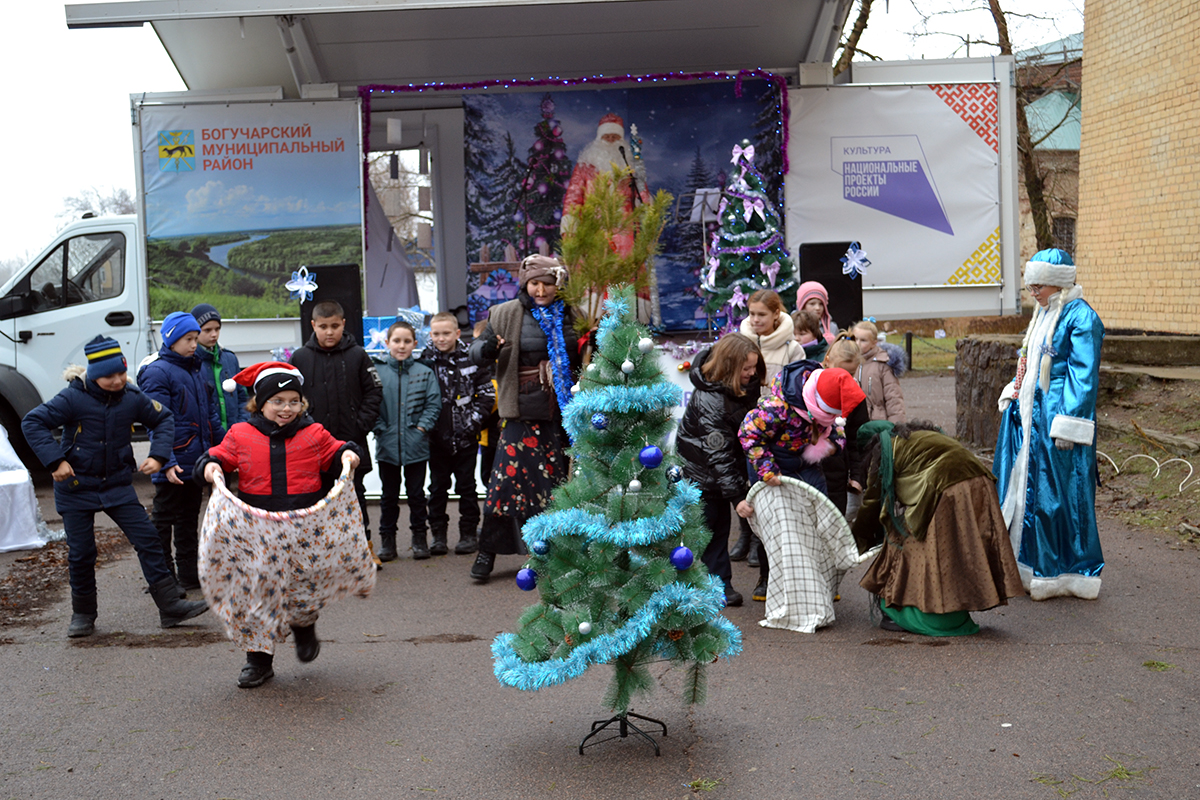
(529, 464)
(263, 571)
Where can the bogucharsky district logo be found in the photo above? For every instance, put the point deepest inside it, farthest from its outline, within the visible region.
(176, 151)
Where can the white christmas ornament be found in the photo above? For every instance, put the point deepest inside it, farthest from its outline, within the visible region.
(592, 367)
(627, 366)
(585, 628)
(645, 344)
(635, 486)
(575, 389)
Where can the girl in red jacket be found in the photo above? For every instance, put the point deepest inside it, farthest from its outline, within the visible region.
(279, 455)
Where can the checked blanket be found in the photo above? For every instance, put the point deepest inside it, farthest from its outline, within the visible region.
(262, 571)
(809, 548)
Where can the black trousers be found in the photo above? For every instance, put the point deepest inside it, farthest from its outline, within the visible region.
(445, 465)
(389, 500)
(176, 515)
(717, 515)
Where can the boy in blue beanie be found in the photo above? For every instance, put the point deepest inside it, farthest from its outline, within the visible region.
(217, 364)
(93, 471)
(174, 380)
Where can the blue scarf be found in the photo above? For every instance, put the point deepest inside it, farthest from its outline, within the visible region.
(550, 320)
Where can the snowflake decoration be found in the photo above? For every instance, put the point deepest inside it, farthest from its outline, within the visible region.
(855, 262)
(302, 285)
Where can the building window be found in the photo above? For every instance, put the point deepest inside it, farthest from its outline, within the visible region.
(1064, 233)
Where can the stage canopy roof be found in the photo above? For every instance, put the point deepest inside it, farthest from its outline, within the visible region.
(230, 44)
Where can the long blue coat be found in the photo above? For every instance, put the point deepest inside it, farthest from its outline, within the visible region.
(411, 400)
(96, 442)
(1054, 530)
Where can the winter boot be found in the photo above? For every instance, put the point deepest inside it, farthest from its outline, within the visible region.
(83, 615)
(189, 579)
(467, 543)
(755, 556)
(308, 646)
(439, 547)
(256, 671)
(741, 548)
(171, 609)
(420, 547)
(481, 570)
(387, 547)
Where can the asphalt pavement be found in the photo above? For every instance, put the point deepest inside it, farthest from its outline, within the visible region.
(1095, 699)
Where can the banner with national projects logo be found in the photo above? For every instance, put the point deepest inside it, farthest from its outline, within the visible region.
(911, 173)
(238, 196)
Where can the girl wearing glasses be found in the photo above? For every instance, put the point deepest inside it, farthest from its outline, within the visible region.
(279, 455)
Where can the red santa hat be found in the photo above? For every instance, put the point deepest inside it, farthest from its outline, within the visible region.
(610, 123)
(831, 393)
(266, 379)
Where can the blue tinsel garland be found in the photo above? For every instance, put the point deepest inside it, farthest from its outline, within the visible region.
(618, 399)
(550, 320)
(512, 670)
(597, 528)
(616, 310)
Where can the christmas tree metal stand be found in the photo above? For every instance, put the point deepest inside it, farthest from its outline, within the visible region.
(624, 726)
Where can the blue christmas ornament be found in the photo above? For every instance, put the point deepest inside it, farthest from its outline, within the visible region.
(600, 421)
(541, 547)
(650, 457)
(681, 559)
(527, 578)
(675, 473)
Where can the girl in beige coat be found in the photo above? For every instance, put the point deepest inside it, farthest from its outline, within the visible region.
(878, 375)
(771, 328)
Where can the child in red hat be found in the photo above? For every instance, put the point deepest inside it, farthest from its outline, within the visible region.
(279, 456)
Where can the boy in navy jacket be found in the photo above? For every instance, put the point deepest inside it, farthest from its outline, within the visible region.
(93, 471)
(174, 380)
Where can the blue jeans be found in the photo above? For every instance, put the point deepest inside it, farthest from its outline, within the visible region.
(133, 521)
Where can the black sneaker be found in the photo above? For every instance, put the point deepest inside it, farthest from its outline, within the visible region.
(482, 568)
(466, 545)
(733, 598)
(760, 592)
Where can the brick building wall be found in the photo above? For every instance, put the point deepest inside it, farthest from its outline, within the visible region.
(1139, 170)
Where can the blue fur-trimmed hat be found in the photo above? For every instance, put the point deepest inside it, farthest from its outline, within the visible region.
(1051, 267)
(104, 358)
(177, 325)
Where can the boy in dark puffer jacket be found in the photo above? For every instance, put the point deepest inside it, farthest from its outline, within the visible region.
(93, 471)
(174, 380)
(467, 399)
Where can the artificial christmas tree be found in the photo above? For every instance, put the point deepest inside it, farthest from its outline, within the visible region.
(615, 557)
(748, 252)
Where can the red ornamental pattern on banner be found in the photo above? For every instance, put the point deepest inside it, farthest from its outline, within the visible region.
(976, 103)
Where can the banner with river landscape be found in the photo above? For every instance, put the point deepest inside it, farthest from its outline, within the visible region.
(239, 196)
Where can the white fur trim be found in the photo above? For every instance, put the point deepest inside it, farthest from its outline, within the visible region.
(610, 127)
(1044, 274)
(1006, 395)
(1067, 585)
(229, 385)
(1073, 429)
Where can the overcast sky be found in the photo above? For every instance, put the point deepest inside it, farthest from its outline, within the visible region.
(67, 128)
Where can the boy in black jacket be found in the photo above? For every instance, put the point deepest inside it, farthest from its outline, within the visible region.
(93, 471)
(467, 398)
(342, 387)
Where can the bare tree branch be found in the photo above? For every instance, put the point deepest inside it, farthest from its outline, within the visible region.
(850, 46)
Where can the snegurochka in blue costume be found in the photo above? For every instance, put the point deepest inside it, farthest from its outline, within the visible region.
(1046, 451)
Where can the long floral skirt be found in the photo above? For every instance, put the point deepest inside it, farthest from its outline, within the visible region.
(529, 464)
(263, 571)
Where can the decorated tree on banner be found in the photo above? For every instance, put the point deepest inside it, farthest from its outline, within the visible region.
(615, 557)
(748, 252)
(539, 205)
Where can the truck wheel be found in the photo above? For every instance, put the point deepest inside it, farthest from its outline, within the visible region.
(12, 424)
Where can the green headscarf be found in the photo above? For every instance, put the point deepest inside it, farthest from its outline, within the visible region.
(887, 469)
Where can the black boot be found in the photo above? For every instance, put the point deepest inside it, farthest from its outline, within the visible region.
(741, 548)
(733, 598)
(467, 543)
(189, 579)
(482, 568)
(83, 615)
(171, 609)
(420, 547)
(308, 646)
(754, 557)
(439, 547)
(387, 547)
(256, 671)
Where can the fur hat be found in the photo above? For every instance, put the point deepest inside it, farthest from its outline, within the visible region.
(177, 325)
(610, 123)
(539, 266)
(266, 380)
(104, 358)
(1052, 267)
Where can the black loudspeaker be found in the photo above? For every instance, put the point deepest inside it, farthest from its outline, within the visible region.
(339, 282)
(822, 262)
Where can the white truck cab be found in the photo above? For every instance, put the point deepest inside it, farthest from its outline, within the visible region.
(89, 281)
